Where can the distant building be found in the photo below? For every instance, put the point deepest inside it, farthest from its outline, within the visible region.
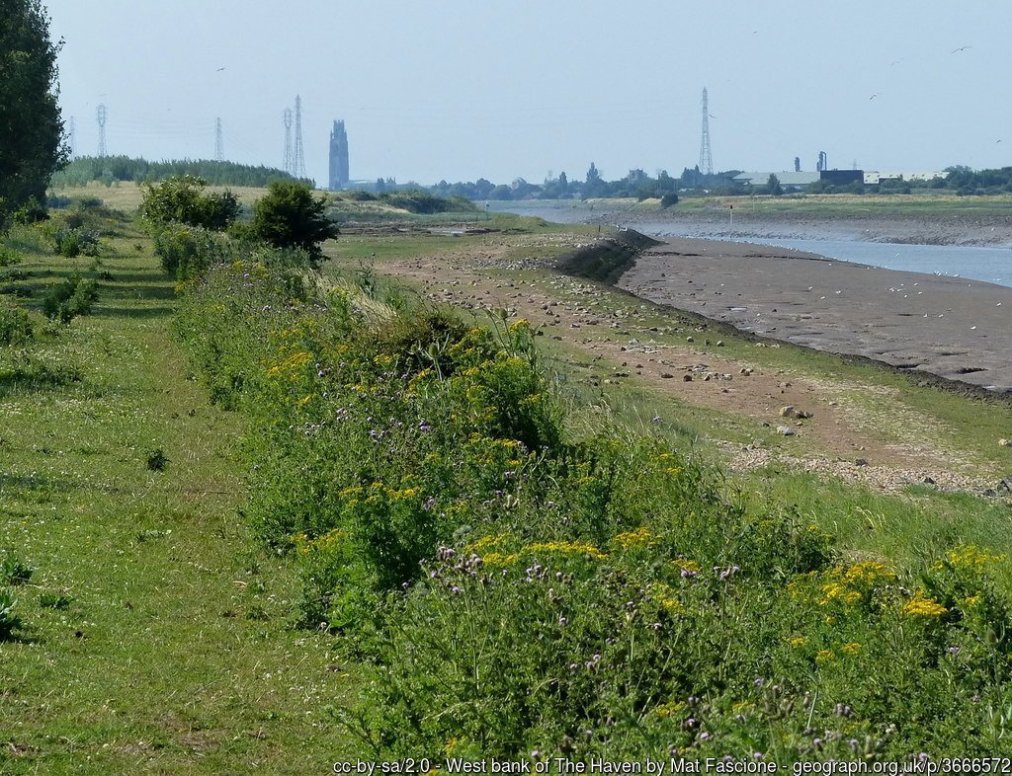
(789, 180)
(874, 176)
(338, 157)
(842, 177)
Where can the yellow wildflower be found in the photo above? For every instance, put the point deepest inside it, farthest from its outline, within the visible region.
(851, 648)
(639, 537)
(797, 641)
(919, 606)
(665, 596)
(670, 709)
(499, 559)
(970, 557)
(824, 656)
(567, 548)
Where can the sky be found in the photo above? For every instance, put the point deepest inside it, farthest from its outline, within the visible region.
(458, 90)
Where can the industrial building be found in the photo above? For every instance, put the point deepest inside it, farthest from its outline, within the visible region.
(789, 181)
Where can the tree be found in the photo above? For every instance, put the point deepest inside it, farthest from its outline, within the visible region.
(594, 185)
(289, 217)
(31, 128)
(773, 186)
(182, 200)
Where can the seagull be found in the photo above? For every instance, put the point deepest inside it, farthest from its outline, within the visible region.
(874, 95)
(219, 69)
(961, 48)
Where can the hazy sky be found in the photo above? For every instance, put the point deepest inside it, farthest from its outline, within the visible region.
(462, 89)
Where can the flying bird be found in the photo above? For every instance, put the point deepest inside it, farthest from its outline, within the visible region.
(874, 95)
(219, 69)
(961, 48)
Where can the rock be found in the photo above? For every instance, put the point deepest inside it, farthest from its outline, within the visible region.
(928, 481)
(1004, 486)
(790, 411)
(720, 343)
(686, 378)
(785, 431)
(860, 461)
(690, 339)
(666, 375)
(1004, 443)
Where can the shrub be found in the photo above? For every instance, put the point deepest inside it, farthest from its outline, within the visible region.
(670, 198)
(15, 324)
(181, 200)
(71, 298)
(289, 217)
(76, 241)
(9, 257)
(186, 252)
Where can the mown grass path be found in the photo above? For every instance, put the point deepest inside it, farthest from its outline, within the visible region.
(154, 638)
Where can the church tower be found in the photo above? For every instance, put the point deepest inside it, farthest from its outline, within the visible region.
(338, 157)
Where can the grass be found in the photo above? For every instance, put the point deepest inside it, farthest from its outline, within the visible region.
(155, 635)
(152, 638)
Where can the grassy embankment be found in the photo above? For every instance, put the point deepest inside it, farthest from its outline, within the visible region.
(152, 637)
(171, 651)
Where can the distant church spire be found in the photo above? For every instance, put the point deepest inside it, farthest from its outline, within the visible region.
(338, 157)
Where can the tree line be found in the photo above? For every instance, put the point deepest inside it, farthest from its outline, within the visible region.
(113, 169)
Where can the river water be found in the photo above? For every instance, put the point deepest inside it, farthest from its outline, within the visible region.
(992, 265)
(989, 264)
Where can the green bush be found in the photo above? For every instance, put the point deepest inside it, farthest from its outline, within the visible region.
(186, 252)
(289, 217)
(76, 241)
(9, 257)
(182, 200)
(71, 298)
(15, 324)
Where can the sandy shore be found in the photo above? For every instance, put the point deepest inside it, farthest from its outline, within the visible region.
(951, 327)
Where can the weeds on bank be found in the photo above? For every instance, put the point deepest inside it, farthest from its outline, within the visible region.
(522, 594)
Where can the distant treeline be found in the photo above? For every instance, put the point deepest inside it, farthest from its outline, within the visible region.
(959, 179)
(966, 181)
(112, 169)
(636, 184)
